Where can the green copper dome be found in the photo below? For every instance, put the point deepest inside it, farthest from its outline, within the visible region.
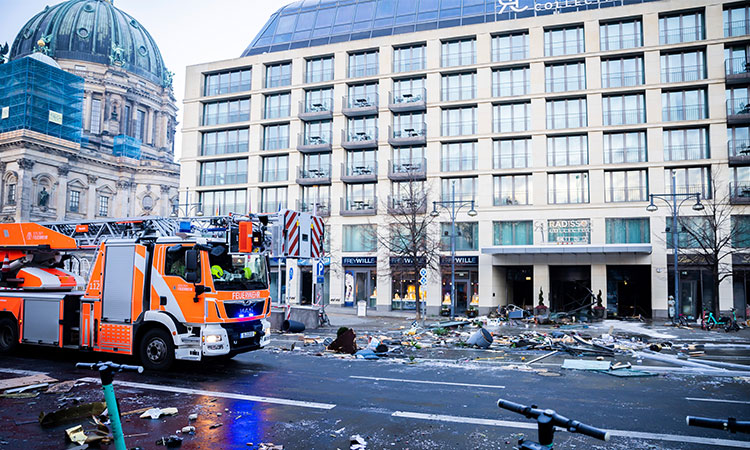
(94, 31)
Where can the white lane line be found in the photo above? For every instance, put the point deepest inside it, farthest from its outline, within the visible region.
(399, 380)
(531, 425)
(22, 372)
(717, 400)
(251, 398)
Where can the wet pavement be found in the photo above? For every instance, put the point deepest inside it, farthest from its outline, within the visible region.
(441, 397)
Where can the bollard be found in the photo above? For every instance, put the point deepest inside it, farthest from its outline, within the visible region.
(292, 326)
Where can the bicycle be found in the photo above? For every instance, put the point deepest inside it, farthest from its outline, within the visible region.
(709, 321)
(547, 420)
(731, 424)
(107, 372)
(323, 320)
(732, 324)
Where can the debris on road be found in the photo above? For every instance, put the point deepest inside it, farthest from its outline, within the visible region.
(215, 425)
(172, 441)
(193, 416)
(357, 442)
(345, 342)
(62, 387)
(155, 413)
(76, 435)
(13, 383)
(70, 414)
(270, 446)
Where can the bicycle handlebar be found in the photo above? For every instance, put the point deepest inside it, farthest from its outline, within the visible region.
(111, 365)
(730, 424)
(571, 425)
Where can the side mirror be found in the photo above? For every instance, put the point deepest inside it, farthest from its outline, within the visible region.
(191, 266)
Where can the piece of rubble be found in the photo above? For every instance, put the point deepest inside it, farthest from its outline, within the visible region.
(66, 415)
(76, 434)
(270, 446)
(172, 441)
(25, 381)
(193, 416)
(357, 442)
(155, 413)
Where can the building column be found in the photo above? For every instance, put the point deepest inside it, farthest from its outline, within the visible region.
(122, 199)
(293, 281)
(62, 191)
(486, 283)
(541, 281)
(91, 210)
(385, 284)
(599, 281)
(164, 201)
(24, 189)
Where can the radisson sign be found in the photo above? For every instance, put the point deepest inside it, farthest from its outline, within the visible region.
(519, 6)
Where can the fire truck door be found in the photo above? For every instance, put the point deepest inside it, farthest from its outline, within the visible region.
(117, 295)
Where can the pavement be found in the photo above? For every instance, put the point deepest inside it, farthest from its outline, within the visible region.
(435, 397)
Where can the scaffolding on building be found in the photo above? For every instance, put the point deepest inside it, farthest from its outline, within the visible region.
(127, 146)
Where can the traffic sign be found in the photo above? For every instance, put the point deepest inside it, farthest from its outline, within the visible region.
(423, 281)
(321, 280)
(423, 272)
(320, 269)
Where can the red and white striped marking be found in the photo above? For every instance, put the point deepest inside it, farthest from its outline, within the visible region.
(316, 238)
(291, 225)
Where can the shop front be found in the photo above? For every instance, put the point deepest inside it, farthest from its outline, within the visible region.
(277, 275)
(741, 284)
(467, 281)
(696, 285)
(629, 291)
(405, 288)
(360, 280)
(309, 281)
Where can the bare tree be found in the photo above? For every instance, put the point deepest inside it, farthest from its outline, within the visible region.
(408, 233)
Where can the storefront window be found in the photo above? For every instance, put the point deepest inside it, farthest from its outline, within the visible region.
(467, 286)
(360, 283)
(405, 288)
(360, 238)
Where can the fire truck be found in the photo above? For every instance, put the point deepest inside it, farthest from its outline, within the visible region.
(161, 289)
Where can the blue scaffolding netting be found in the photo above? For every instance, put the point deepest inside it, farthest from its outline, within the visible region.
(40, 97)
(127, 146)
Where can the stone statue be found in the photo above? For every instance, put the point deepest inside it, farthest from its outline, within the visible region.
(43, 199)
(168, 79)
(4, 53)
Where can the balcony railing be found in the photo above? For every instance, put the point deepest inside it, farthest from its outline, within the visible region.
(739, 148)
(622, 79)
(314, 141)
(222, 118)
(567, 196)
(565, 84)
(414, 134)
(620, 42)
(571, 157)
(359, 172)
(408, 65)
(463, 128)
(510, 198)
(277, 112)
(408, 170)
(738, 107)
(278, 80)
(458, 93)
(624, 117)
(316, 109)
(691, 189)
(685, 152)
(363, 70)
(572, 47)
(630, 194)
(321, 207)
(510, 89)
(458, 59)
(278, 143)
(739, 193)
(223, 149)
(359, 105)
(519, 160)
(406, 205)
(314, 175)
(273, 176)
(570, 120)
(737, 28)
(318, 76)
(510, 54)
(624, 155)
(681, 74)
(684, 34)
(360, 206)
(360, 138)
(408, 100)
(226, 88)
(511, 125)
(458, 164)
(739, 66)
(686, 112)
(223, 178)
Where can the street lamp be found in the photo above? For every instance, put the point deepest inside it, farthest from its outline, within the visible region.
(453, 206)
(186, 208)
(671, 200)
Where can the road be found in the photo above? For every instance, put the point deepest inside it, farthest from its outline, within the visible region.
(303, 401)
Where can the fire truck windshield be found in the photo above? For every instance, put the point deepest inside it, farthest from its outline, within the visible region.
(237, 272)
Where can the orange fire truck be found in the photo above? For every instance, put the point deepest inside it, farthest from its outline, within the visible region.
(159, 288)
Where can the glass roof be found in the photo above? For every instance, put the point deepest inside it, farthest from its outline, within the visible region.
(309, 23)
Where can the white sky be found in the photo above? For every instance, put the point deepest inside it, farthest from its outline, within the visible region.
(187, 31)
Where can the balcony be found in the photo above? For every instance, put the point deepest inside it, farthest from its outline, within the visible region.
(684, 34)
(624, 117)
(415, 170)
(739, 193)
(685, 112)
(321, 208)
(360, 139)
(737, 70)
(685, 152)
(316, 110)
(408, 135)
(314, 176)
(408, 101)
(315, 142)
(359, 172)
(359, 207)
(737, 28)
(739, 151)
(683, 74)
(359, 105)
(622, 79)
(738, 111)
(407, 206)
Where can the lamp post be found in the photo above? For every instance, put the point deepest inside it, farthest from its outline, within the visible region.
(671, 200)
(453, 206)
(186, 208)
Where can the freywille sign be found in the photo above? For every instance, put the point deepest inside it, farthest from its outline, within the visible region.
(359, 260)
(519, 6)
(569, 231)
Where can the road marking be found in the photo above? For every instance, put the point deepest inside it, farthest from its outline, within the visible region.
(251, 398)
(22, 372)
(718, 400)
(491, 386)
(531, 425)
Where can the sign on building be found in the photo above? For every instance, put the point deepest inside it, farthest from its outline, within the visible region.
(569, 231)
(55, 117)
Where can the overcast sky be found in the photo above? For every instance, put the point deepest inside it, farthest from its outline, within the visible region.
(187, 31)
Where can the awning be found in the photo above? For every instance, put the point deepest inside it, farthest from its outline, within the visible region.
(567, 249)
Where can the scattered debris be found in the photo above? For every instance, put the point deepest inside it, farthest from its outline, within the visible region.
(193, 416)
(30, 380)
(155, 413)
(270, 446)
(70, 414)
(62, 387)
(172, 441)
(76, 435)
(345, 342)
(188, 429)
(216, 425)
(585, 364)
(357, 442)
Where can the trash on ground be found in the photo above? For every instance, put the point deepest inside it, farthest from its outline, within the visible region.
(25, 381)
(155, 413)
(357, 442)
(76, 435)
(172, 441)
(193, 416)
(628, 373)
(585, 364)
(70, 414)
(270, 446)
(188, 429)
(366, 353)
(62, 387)
(345, 342)
(215, 425)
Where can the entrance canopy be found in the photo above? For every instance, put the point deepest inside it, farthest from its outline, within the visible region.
(567, 249)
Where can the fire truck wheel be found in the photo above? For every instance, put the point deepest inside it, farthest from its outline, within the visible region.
(157, 350)
(8, 335)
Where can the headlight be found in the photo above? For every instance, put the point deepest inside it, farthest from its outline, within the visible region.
(212, 338)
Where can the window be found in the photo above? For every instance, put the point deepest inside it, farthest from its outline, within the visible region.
(408, 193)
(513, 232)
(510, 46)
(225, 142)
(692, 232)
(563, 41)
(318, 100)
(621, 34)
(126, 121)
(140, 125)
(318, 163)
(511, 153)
(272, 199)
(570, 187)
(409, 58)
(461, 52)
(568, 113)
(227, 82)
(681, 27)
(362, 129)
(738, 101)
(465, 188)
(459, 121)
(276, 137)
(740, 231)
(512, 190)
(74, 201)
(512, 117)
(230, 171)
(684, 105)
(459, 156)
(226, 112)
(174, 263)
(628, 231)
(624, 109)
(740, 181)
(319, 69)
(625, 147)
(459, 86)
(318, 132)
(277, 105)
(360, 238)
(510, 82)
(275, 168)
(685, 144)
(625, 186)
(737, 21)
(683, 66)
(11, 194)
(736, 60)
(103, 206)
(278, 74)
(363, 64)
(739, 141)
(466, 237)
(319, 196)
(409, 90)
(689, 180)
(224, 202)
(407, 159)
(360, 197)
(567, 150)
(622, 72)
(409, 125)
(95, 125)
(565, 77)
(363, 95)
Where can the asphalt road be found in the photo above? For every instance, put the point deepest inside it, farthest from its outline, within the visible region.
(303, 401)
